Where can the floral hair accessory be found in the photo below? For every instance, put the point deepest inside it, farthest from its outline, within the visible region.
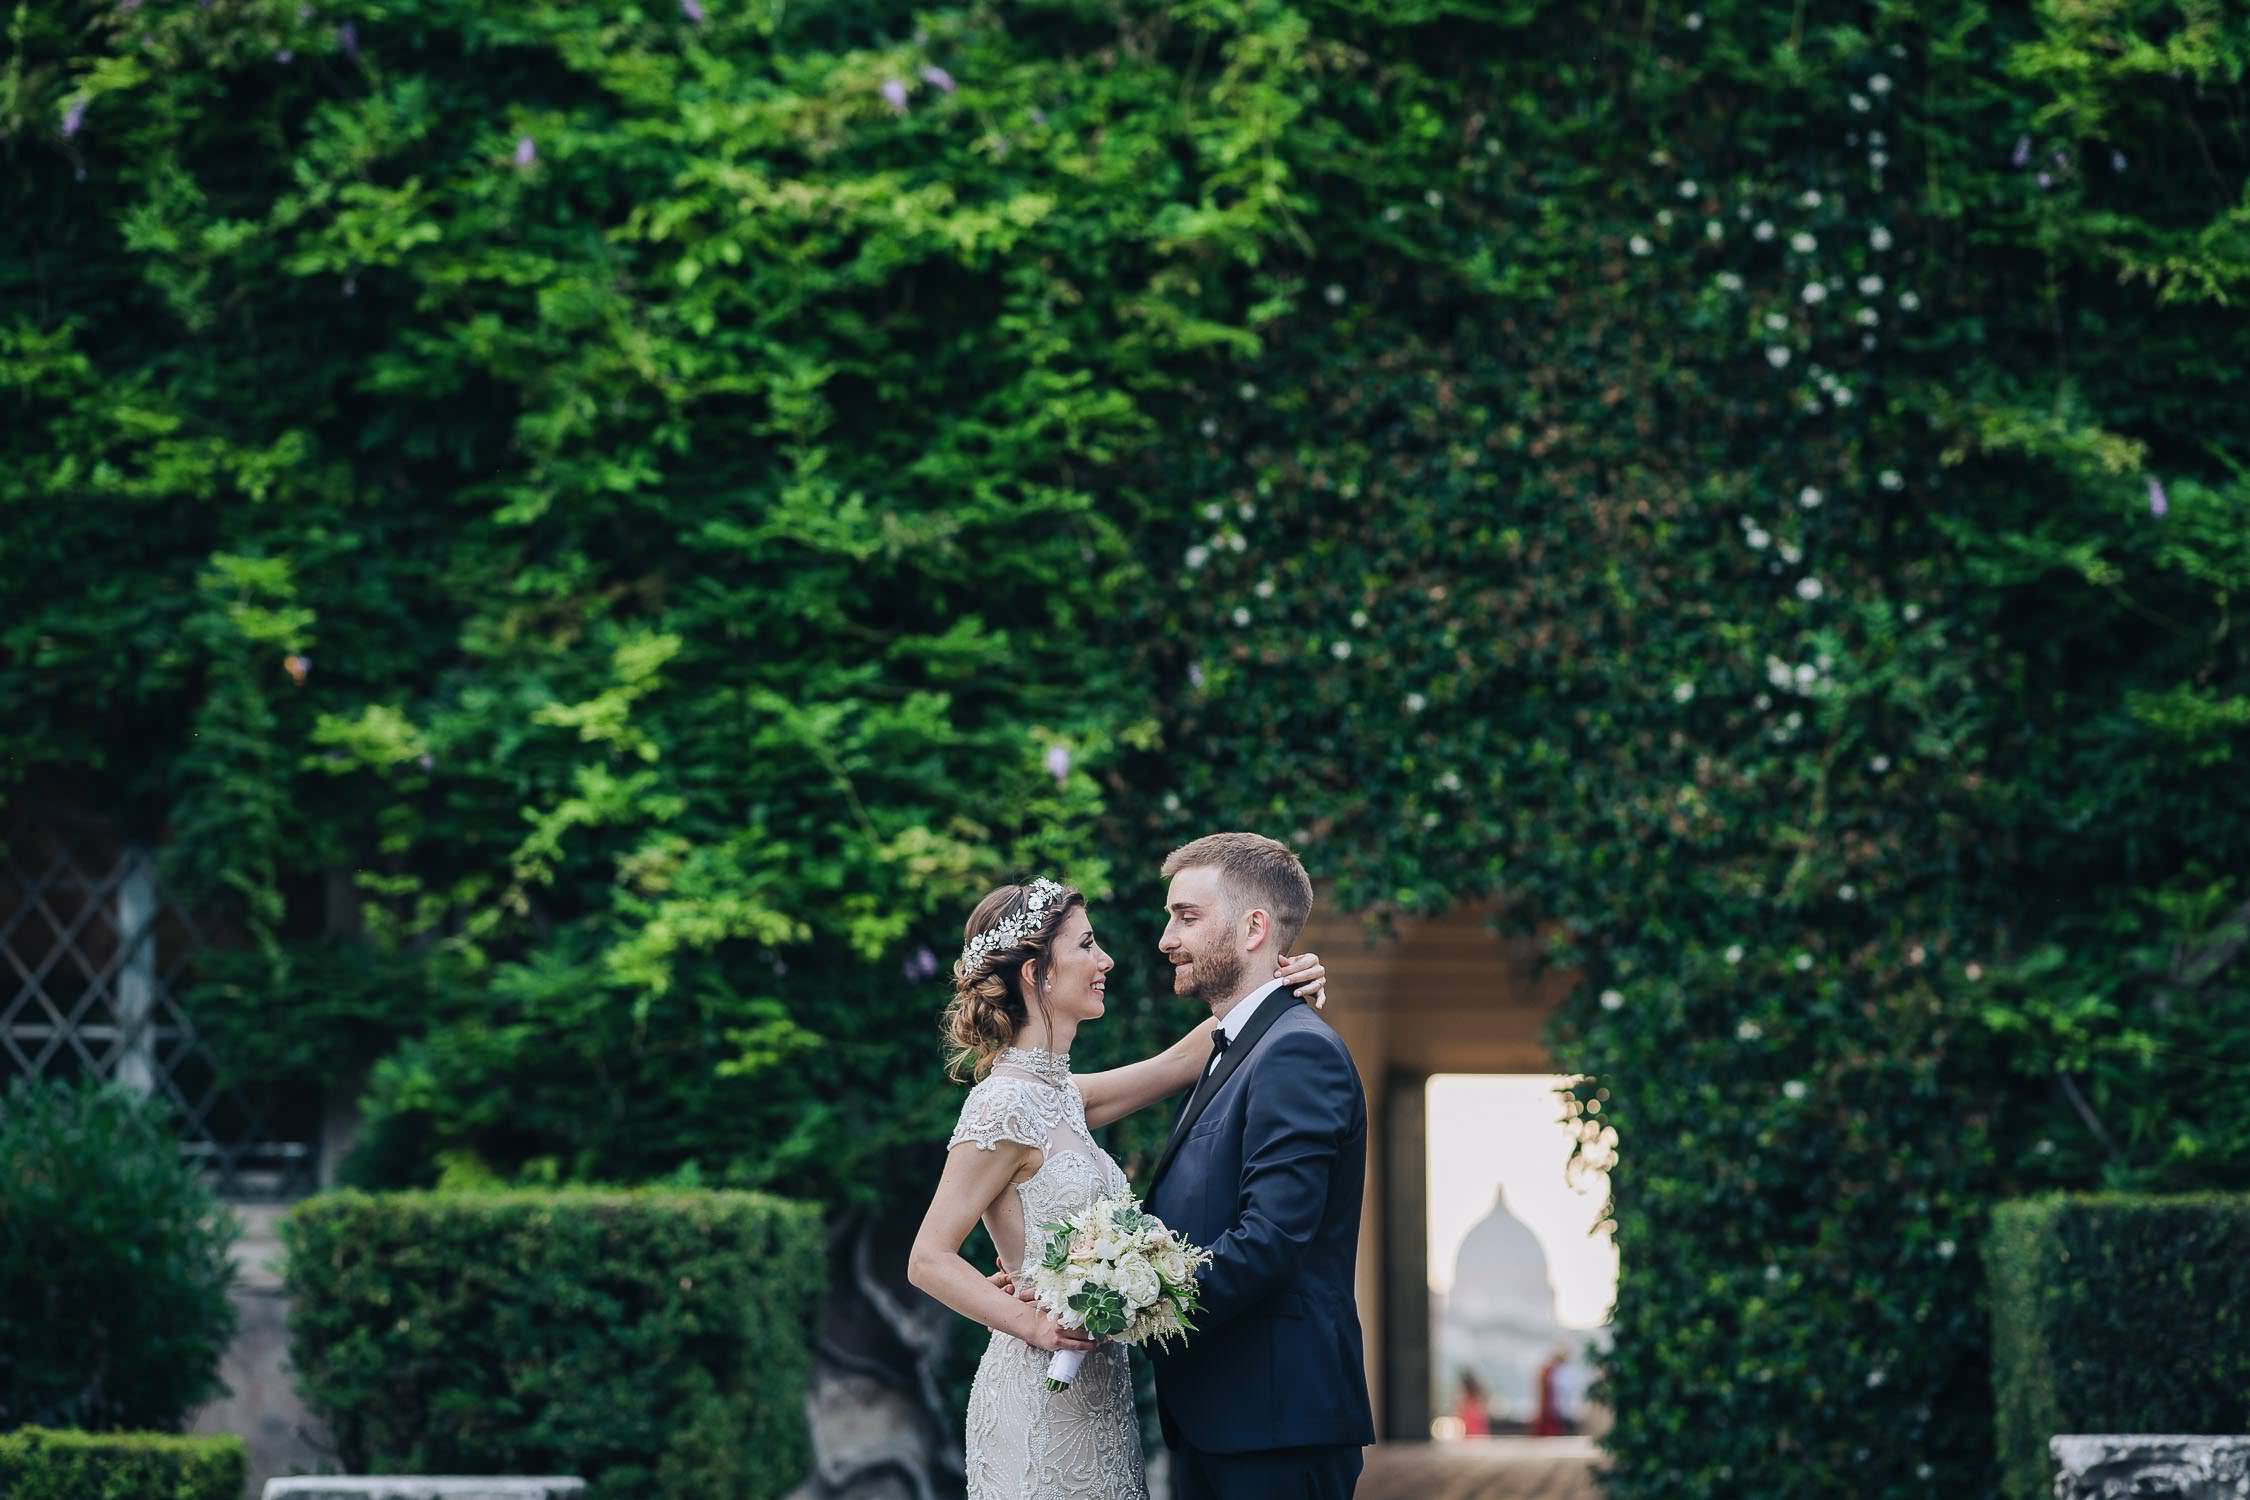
(1040, 899)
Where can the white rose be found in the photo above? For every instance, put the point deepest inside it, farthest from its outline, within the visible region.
(1137, 1280)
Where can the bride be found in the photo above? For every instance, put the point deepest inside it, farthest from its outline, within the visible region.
(1029, 975)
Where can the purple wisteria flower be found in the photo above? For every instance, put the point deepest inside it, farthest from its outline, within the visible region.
(2045, 181)
(347, 40)
(937, 78)
(2022, 154)
(894, 94)
(527, 151)
(1058, 763)
(73, 118)
(693, 10)
(2158, 501)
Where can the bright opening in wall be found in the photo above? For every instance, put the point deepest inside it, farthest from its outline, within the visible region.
(1522, 1275)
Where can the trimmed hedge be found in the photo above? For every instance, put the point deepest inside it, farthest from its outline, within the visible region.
(39, 1464)
(656, 1342)
(114, 1264)
(2116, 1313)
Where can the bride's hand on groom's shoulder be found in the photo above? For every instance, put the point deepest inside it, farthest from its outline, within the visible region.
(1306, 977)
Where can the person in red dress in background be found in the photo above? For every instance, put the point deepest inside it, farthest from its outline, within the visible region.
(1548, 1420)
(1468, 1407)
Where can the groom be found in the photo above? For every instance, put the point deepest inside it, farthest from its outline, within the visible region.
(1269, 1395)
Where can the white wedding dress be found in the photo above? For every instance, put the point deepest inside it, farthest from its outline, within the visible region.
(1026, 1442)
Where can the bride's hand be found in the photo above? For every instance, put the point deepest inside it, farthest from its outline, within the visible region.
(1051, 1336)
(1306, 977)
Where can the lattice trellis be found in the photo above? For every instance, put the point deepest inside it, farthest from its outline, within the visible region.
(92, 966)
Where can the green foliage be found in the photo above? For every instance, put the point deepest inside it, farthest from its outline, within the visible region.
(656, 1341)
(2116, 1313)
(37, 1464)
(1756, 487)
(114, 1265)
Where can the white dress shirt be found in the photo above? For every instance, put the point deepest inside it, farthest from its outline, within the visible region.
(1239, 1017)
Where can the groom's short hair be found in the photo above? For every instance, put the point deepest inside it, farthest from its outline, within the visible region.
(1255, 873)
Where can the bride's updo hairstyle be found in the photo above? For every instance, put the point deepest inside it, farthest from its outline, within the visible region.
(989, 1006)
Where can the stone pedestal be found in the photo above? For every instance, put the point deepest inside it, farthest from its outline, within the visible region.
(426, 1487)
(2126, 1466)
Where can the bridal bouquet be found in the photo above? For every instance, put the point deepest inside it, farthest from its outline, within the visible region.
(1115, 1272)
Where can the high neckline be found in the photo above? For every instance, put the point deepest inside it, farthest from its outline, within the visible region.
(1052, 1068)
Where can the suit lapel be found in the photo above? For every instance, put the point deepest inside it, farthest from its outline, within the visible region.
(1238, 1052)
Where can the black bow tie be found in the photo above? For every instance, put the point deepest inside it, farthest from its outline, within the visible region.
(1218, 1048)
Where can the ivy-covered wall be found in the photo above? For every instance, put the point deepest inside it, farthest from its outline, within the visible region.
(672, 499)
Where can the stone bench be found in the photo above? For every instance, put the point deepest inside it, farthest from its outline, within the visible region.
(425, 1487)
(2165, 1466)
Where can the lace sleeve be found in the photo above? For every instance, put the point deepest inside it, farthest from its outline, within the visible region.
(1004, 1108)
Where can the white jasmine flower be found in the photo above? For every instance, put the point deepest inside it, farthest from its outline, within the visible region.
(1664, 218)
(1879, 764)
(1790, 553)
(1809, 497)
(1171, 801)
(1945, 1249)
(1748, 1031)
(1803, 243)
(1212, 510)
(1247, 511)
(1764, 231)
(1842, 396)
(1450, 781)
(1241, 616)
(1757, 537)
(1359, 619)
(1908, 302)
(1415, 703)
(1891, 479)
(1714, 231)
(1814, 293)
(1878, 159)
(1639, 245)
(1859, 103)
(1687, 188)
(1803, 962)
(1694, 20)
(1778, 672)
(1805, 675)
(1236, 541)
(1911, 613)
(1870, 285)
(1795, 1090)
(1393, 214)
(1879, 237)
(1264, 590)
(1847, 893)
(1777, 356)
(1880, 83)
(1869, 317)
(1682, 692)
(1974, 972)
(1340, 650)
(1729, 281)
(1612, 1000)
(1198, 555)
(1810, 198)
(1808, 589)
(1734, 953)
(1433, 197)
(1334, 294)
(1775, 322)
(1210, 427)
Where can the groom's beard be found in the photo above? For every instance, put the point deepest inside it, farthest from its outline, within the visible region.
(1217, 976)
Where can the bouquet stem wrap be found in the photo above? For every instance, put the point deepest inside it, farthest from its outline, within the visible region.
(1062, 1368)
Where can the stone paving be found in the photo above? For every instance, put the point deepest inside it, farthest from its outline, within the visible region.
(1496, 1468)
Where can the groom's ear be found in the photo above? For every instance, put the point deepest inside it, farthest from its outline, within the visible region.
(1257, 929)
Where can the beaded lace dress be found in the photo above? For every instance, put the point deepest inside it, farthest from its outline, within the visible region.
(1026, 1442)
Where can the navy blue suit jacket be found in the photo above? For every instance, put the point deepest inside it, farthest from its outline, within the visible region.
(1268, 1173)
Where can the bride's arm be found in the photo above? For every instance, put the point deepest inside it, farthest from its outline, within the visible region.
(973, 1177)
(1114, 1094)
